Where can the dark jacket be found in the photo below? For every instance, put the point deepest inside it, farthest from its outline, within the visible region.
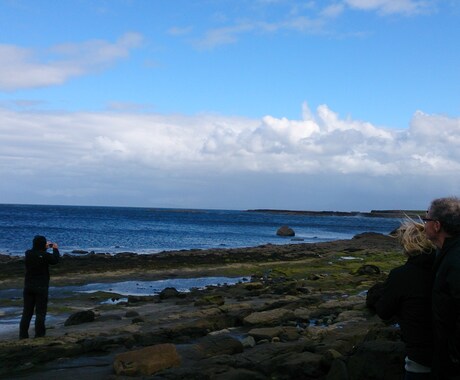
(37, 271)
(446, 308)
(406, 296)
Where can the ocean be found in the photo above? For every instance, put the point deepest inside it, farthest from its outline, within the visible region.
(152, 230)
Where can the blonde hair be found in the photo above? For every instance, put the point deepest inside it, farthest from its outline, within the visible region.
(411, 236)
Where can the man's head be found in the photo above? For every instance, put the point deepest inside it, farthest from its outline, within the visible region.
(443, 219)
(39, 243)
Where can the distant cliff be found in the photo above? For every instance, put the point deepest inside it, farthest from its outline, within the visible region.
(372, 213)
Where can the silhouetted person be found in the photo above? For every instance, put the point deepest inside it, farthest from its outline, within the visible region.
(36, 285)
(442, 227)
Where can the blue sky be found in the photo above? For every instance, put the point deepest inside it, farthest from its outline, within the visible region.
(344, 104)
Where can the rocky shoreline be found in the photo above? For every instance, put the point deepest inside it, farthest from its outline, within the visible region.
(302, 315)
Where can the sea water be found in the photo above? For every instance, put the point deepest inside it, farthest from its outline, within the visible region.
(150, 230)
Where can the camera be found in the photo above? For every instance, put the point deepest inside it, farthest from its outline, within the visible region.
(50, 245)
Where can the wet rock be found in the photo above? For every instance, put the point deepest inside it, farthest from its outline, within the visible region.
(147, 361)
(80, 317)
(285, 231)
(169, 293)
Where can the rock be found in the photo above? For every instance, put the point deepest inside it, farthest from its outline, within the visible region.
(284, 334)
(368, 269)
(210, 300)
(137, 299)
(265, 333)
(222, 344)
(338, 371)
(351, 316)
(285, 231)
(248, 342)
(241, 374)
(147, 361)
(131, 314)
(304, 365)
(253, 285)
(109, 317)
(80, 317)
(269, 317)
(169, 293)
(379, 360)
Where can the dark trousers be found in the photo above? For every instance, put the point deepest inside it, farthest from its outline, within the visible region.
(34, 299)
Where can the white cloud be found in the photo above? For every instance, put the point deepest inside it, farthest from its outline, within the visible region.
(25, 68)
(310, 18)
(223, 36)
(174, 158)
(321, 142)
(389, 6)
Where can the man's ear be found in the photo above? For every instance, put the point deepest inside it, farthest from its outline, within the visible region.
(437, 226)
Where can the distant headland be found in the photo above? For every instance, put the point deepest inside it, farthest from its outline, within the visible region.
(372, 213)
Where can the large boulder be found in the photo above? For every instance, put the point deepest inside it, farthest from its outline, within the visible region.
(80, 317)
(169, 293)
(285, 231)
(147, 361)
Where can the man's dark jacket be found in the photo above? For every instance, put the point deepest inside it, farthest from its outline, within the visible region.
(406, 296)
(446, 309)
(37, 272)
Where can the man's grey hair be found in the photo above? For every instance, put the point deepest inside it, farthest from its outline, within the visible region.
(447, 212)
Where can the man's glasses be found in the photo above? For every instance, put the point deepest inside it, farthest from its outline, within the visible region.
(424, 220)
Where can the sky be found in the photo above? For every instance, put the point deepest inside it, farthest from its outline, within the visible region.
(344, 105)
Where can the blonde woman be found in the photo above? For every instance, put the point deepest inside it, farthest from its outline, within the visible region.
(406, 296)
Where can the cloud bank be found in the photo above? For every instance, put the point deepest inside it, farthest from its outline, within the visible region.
(86, 154)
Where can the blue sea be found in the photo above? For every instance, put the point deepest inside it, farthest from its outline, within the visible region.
(152, 230)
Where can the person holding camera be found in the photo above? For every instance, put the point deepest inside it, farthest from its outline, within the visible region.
(36, 284)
